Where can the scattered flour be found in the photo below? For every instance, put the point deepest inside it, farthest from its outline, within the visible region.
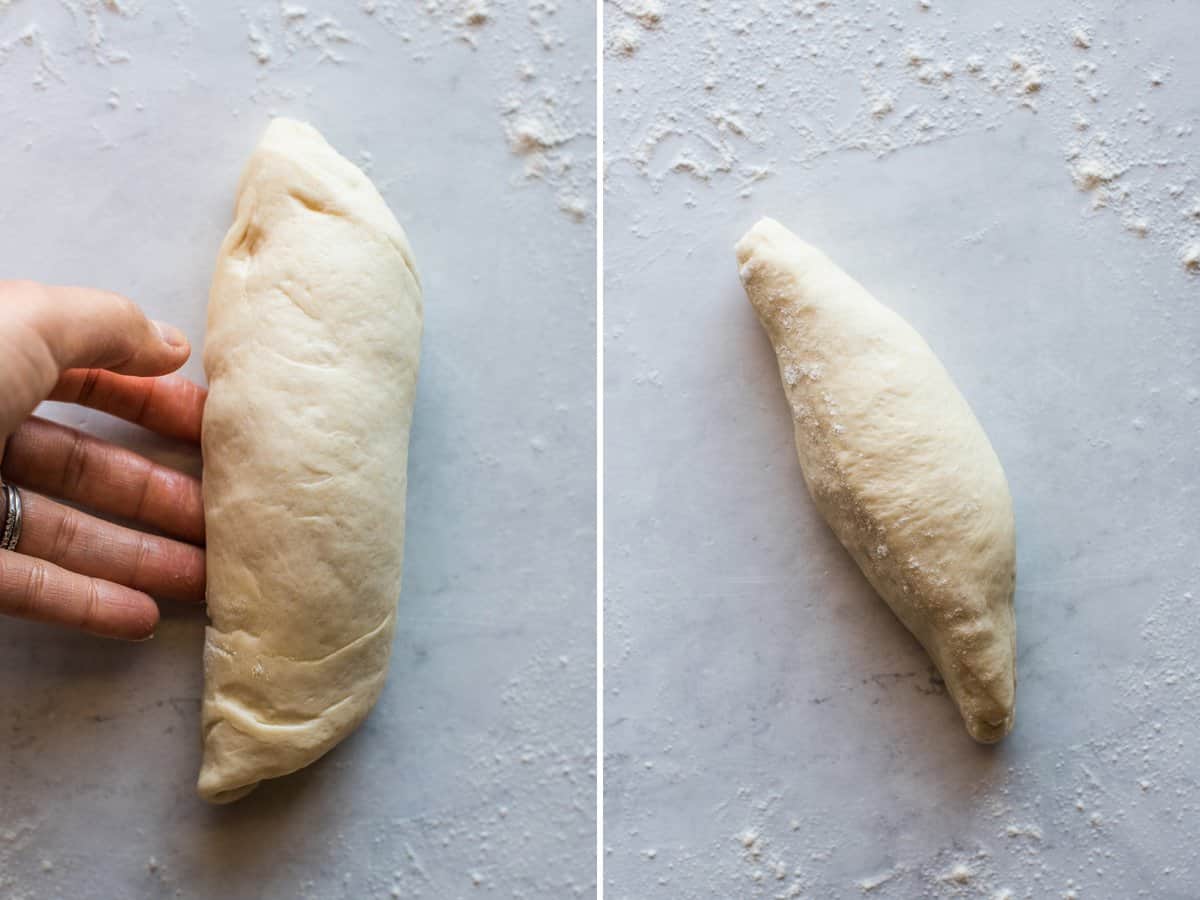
(292, 31)
(812, 80)
(477, 13)
(94, 17)
(259, 48)
(546, 139)
(546, 111)
(882, 105)
(574, 206)
(1190, 257)
(1137, 225)
(532, 138)
(959, 873)
(647, 13)
(623, 41)
(875, 882)
(31, 37)
(1090, 174)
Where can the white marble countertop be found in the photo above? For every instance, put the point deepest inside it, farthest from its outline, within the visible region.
(125, 128)
(771, 729)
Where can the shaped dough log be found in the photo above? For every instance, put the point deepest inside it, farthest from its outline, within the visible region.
(898, 466)
(314, 329)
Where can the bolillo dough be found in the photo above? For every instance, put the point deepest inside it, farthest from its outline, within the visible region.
(314, 330)
(898, 466)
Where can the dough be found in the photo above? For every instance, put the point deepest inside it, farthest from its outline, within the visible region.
(898, 466)
(314, 330)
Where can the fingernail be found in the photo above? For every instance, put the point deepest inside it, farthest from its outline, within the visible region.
(171, 334)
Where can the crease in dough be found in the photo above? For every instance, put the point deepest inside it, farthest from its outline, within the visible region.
(897, 465)
(312, 350)
(252, 723)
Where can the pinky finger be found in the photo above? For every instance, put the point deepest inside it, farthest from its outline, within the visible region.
(42, 592)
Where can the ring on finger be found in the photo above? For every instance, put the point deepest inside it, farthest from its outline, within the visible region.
(12, 518)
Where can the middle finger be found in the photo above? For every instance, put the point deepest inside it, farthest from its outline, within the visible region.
(49, 457)
(74, 540)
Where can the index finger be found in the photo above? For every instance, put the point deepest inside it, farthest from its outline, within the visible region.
(171, 406)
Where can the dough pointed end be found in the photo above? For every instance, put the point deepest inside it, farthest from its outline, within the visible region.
(988, 709)
(762, 248)
(234, 764)
(986, 732)
(281, 130)
(231, 767)
(760, 234)
(220, 797)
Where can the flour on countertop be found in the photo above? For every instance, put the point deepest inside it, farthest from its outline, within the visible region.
(31, 37)
(293, 30)
(17, 832)
(544, 101)
(486, 836)
(546, 125)
(92, 21)
(875, 882)
(646, 13)
(623, 41)
(1140, 771)
(816, 79)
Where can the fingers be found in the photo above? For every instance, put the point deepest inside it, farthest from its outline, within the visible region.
(87, 328)
(89, 546)
(37, 590)
(57, 460)
(171, 406)
(44, 330)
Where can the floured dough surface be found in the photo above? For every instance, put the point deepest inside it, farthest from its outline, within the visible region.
(314, 329)
(897, 464)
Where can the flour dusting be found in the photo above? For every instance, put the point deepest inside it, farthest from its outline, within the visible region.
(826, 78)
(541, 79)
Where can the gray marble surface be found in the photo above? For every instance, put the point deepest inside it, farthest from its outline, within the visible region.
(125, 128)
(771, 729)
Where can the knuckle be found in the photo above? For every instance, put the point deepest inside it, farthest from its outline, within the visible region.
(34, 589)
(75, 469)
(17, 601)
(139, 415)
(89, 613)
(125, 341)
(65, 534)
(142, 551)
(145, 492)
(88, 385)
(125, 307)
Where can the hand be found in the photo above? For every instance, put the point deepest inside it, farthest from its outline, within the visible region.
(95, 348)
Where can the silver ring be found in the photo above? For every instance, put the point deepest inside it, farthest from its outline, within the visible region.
(12, 518)
(8, 518)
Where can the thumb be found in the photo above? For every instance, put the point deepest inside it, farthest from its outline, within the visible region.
(45, 330)
(90, 329)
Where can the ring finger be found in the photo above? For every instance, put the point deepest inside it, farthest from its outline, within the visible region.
(49, 457)
(89, 546)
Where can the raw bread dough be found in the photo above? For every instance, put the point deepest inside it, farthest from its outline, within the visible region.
(314, 330)
(898, 466)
